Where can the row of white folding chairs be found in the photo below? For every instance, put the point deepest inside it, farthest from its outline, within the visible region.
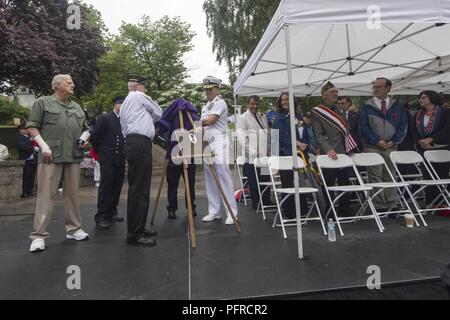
(431, 158)
(369, 190)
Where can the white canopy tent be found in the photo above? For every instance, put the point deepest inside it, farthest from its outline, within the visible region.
(350, 43)
(342, 41)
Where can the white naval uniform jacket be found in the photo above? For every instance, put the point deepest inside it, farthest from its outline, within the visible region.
(217, 133)
(253, 136)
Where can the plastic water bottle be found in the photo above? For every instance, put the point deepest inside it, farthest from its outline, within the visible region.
(331, 230)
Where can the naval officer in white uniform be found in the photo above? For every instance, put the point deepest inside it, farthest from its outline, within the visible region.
(214, 118)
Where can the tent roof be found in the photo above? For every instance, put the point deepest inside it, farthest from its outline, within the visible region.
(338, 41)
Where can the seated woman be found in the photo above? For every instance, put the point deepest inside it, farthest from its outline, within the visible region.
(281, 121)
(432, 132)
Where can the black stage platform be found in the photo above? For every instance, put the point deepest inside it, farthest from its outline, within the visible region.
(258, 263)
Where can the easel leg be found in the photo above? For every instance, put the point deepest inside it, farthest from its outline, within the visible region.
(188, 190)
(189, 202)
(166, 164)
(219, 186)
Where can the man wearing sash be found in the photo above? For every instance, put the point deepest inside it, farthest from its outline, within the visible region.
(333, 138)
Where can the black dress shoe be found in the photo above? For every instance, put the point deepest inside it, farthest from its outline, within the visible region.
(150, 233)
(141, 241)
(118, 219)
(103, 225)
(171, 215)
(194, 214)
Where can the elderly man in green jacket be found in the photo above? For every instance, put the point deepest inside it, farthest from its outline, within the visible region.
(56, 122)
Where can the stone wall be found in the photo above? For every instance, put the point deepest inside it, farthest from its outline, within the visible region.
(10, 180)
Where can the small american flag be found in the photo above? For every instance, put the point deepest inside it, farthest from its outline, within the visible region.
(350, 143)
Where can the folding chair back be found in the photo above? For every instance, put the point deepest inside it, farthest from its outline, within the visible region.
(371, 159)
(284, 163)
(437, 156)
(262, 162)
(240, 161)
(343, 161)
(368, 159)
(406, 157)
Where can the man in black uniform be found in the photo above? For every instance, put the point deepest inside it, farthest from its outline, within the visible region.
(28, 153)
(108, 143)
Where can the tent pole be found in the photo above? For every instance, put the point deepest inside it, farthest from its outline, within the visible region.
(236, 167)
(293, 141)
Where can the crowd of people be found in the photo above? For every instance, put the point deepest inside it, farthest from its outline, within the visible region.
(382, 125)
(51, 146)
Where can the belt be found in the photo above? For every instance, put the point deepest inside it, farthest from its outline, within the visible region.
(136, 135)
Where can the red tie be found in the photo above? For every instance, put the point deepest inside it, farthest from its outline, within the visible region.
(383, 107)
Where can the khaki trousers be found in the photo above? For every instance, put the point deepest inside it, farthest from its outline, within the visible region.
(387, 197)
(48, 178)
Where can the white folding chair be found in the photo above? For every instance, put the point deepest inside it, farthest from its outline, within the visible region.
(262, 164)
(374, 159)
(282, 194)
(344, 161)
(412, 157)
(439, 156)
(240, 161)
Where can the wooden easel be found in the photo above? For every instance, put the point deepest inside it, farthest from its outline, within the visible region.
(185, 159)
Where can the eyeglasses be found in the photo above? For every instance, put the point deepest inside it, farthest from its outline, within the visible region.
(378, 87)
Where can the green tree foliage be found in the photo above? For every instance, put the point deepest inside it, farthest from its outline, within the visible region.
(158, 49)
(36, 44)
(154, 49)
(10, 110)
(236, 27)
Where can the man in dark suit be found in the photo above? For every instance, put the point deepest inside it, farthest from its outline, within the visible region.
(108, 143)
(344, 103)
(28, 153)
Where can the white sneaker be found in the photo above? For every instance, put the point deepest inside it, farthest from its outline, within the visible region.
(211, 217)
(230, 220)
(60, 190)
(97, 184)
(37, 245)
(80, 235)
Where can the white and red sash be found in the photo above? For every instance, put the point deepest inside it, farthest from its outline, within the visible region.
(339, 123)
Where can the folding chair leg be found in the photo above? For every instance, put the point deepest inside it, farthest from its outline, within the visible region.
(262, 203)
(402, 198)
(319, 214)
(241, 183)
(375, 215)
(416, 206)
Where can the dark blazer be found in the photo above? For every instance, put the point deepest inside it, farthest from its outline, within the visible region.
(440, 136)
(108, 141)
(24, 146)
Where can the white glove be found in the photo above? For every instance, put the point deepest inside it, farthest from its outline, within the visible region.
(36, 149)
